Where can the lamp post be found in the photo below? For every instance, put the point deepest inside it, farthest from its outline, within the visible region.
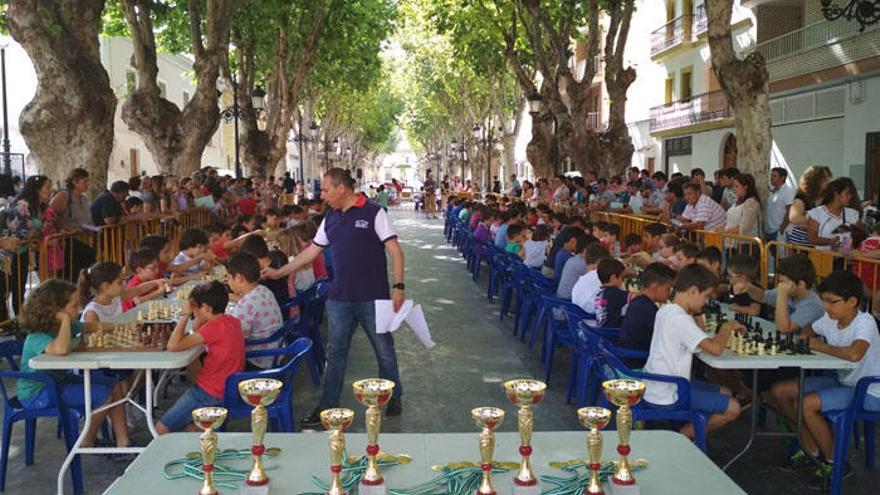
(7, 159)
(484, 135)
(233, 113)
(301, 138)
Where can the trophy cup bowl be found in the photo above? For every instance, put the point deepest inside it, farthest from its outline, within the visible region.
(487, 418)
(336, 421)
(624, 393)
(208, 419)
(595, 419)
(525, 394)
(258, 392)
(373, 393)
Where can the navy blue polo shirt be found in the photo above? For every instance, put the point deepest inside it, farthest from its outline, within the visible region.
(358, 236)
(105, 206)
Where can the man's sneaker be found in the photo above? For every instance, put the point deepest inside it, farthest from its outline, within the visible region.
(312, 421)
(822, 480)
(800, 461)
(394, 408)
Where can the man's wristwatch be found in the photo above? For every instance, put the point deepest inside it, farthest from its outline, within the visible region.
(399, 286)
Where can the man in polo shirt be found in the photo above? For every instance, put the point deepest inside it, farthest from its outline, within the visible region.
(107, 208)
(360, 232)
(701, 212)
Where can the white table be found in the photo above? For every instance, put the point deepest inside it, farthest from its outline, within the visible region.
(730, 360)
(145, 362)
(675, 465)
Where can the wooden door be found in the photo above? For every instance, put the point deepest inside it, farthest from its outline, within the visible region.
(133, 162)
(872, 167)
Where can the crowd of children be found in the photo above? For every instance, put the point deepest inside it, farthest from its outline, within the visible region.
(663, 318)
(54, 322)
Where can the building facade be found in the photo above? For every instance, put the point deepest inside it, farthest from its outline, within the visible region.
(824, 84)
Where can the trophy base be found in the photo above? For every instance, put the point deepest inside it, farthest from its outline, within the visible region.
(364, 489)
(527, 490)
(615, 489)
(246, 489)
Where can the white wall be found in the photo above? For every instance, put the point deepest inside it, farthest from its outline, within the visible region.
(22, 81)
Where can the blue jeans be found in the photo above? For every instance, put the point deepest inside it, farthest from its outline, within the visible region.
(342, 320)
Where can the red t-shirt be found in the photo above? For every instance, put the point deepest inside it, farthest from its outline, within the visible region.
(225, 353)
(132, 282)
(219, 250)
(247, 206)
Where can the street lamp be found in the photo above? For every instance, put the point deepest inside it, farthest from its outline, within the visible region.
(534, 100)
(7, 158)
(301, 138)
(233, 113)
(866, 12)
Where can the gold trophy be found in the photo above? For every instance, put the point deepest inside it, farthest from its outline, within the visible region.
(487, 418)
(336, 420)
(525, 394)
(624, 394)
(594, 418)
(208, 419)
(258, 392)
(373, 393)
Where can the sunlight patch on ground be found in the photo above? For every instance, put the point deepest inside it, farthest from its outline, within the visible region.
(444, 301)
(426, 280)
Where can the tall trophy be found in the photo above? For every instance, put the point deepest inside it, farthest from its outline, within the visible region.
(525, 394)
(258, 392)
(487, 418)
(373, 393)
(336, 420)
(624, 394)
(594, 418)
(208, 419)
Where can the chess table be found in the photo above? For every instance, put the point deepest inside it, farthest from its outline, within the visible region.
(143, 361)
(729, 360)
(675, 465)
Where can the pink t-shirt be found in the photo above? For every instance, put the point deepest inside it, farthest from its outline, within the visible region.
(260, 317)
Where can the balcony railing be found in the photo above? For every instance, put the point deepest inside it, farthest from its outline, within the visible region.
(807, 38)
(701, 21)
(701, 108)
(672, 33)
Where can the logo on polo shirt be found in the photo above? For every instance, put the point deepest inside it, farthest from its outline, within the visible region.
(362, 224)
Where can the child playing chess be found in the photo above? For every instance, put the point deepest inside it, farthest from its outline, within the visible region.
(104, 281)
(256, 308)
(220, 240)
(256, 246)
(686, 254)
(165, 252)
(49, 316)
(677, 337)
(742, 272)
(145, 265)
(846, 333)
(224, 354)
(611, 301)
(637, 328)
(516, 237)
(653, 233)
(192, 258)
(668, 245)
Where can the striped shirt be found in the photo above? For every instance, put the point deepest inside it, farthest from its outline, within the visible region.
(707, 211)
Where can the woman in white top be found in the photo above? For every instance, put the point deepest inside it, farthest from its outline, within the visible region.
(829, 226)
(744, 218)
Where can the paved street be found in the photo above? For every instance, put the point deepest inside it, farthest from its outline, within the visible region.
(475, 354)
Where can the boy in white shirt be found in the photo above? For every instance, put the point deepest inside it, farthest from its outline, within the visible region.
(677, 337)
(846, 333)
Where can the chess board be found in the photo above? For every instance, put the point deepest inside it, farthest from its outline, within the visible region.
(756, 341)
(128, 337)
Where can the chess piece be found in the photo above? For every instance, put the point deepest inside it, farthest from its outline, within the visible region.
(773, 350)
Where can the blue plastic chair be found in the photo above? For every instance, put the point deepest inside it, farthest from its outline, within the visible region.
(587, 339)
(843, 420)
(280, 411)
(612, 367)
(13, 412)
(559, 333)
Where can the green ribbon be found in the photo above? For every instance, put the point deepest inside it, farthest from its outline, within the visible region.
(224, 476)
(579, 476)
(453, 481)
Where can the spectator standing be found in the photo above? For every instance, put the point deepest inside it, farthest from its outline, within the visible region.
(359, 232)
(778, 204)
(107, 208)
(71, 207)
(515, 187)
(809, 195)
(701, 213)
(830, 226)
(744, 217)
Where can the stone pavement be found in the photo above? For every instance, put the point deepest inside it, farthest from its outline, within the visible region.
(475, 354)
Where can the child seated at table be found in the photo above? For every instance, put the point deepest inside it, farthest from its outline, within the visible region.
(163, 246)
(256, 308)
(677, 337)
(611, 301)
(848, 334)
(667, 247)
(686, 254)
(256, 246)
(652, 233)
(632, 244)
(193, 257)
(482, 234)
(741, 272)
(103, 280)
(49, 317)
(583, 294)
(638, 323)
(536, 247)
(710, 257)
(145, 265)
(224, 354)
(867, 271)
(608, 235)
(516, 237)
